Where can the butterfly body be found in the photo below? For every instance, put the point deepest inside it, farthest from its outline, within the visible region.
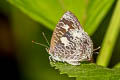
(70, 43)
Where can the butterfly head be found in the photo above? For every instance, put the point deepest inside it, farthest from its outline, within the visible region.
(47, 49)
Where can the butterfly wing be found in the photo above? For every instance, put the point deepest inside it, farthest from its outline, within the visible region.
(69, 42)
(67, 22)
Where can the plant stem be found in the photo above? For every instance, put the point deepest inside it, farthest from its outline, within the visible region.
(110, 38)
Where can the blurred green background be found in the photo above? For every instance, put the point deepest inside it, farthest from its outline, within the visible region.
(22, 21)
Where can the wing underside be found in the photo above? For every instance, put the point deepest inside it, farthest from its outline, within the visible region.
(67, 22)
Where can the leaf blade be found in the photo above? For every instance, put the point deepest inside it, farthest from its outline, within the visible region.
(97, 9)
(49, 12)
(110, 38)
(87, 71)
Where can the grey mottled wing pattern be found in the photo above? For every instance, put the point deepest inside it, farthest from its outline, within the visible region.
(67, 22)
(69, 42)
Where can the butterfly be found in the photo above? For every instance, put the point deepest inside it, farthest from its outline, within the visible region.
(69, 42)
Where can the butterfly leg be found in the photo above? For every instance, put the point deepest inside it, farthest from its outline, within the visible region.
(96, 49)
(95, 52)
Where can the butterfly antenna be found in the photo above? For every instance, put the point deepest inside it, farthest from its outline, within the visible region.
(45, 38)
(40, 44)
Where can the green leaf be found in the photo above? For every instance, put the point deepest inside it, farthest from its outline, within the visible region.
(89, 71)
(49, 12)
(110, 38)
(96, 11)
(117, 65)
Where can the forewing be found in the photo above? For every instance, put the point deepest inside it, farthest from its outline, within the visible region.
(67, 22)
